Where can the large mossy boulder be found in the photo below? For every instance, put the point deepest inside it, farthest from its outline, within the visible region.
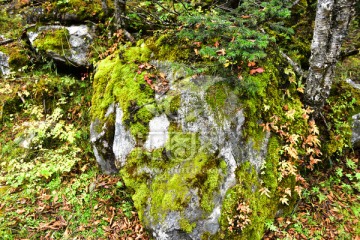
(178, 141)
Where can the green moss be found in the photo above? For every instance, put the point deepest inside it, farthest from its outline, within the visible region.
(55, 40)
(10, 24)
(209, 188)
(186, 225)
(220, 97)
(83, 9)
(181, 167)
(17, 56)
(344, 102)
(247, 191)
(117, 80)
(259, 89)
(167, 47)
(270, 176)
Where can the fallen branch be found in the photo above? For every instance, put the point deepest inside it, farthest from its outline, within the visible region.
(295, 66)
(128, 36)
(348, 53)
(7, 41)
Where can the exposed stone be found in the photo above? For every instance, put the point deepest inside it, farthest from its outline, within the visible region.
(102, 138)
(353, 84)
(158, 132)
(123, 141)
(355, 138)
(4, 64)
(76, 48)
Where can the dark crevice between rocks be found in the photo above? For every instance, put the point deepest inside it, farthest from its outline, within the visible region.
(78, 72)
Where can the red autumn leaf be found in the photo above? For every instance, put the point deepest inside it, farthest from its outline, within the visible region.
(197, 44)
(256, 70)
(217, 44)
(148, 80)
(251, 64)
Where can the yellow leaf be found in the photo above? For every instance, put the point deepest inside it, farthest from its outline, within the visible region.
(288, 191)
(290, 114)
(265, 191)
(293, 138)
(284, 200)
(221, 52)
(298, 189)
(291, 151)
(300, 89)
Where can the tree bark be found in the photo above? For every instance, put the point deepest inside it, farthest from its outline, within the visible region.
(331, 26)
(120, 6)
(105, 6)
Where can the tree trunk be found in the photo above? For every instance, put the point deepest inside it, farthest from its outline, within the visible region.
(105, 7)
(331, 26)
(120, 6)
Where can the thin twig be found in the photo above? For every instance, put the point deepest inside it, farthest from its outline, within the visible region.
(323, 118)
(160, 5)
(7, 41)
(128, 36)
(295, 66)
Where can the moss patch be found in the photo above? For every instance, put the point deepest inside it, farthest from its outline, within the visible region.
(82, 9)
(181, 167)
(18, 57)
(247, 191)
(169, 48)
(117, 80)
(55, 40)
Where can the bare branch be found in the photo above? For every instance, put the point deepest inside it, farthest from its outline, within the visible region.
(295, 66)
(7, 41)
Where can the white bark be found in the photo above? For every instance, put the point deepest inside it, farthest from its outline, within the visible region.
(331, 26)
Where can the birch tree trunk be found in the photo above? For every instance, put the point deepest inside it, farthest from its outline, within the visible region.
(331, 26)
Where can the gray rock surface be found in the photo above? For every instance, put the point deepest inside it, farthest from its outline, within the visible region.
(102, 138)
(355, 138)
(352, 83)
(158, 132)
(123, 141)
(80, 38)
(4, 64)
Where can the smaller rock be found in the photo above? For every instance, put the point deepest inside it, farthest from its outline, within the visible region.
(353, 84)
(75, 48)
(355, 138)
(4, 64)
(25, 141)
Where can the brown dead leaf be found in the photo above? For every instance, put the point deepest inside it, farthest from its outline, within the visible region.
(221, 52)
